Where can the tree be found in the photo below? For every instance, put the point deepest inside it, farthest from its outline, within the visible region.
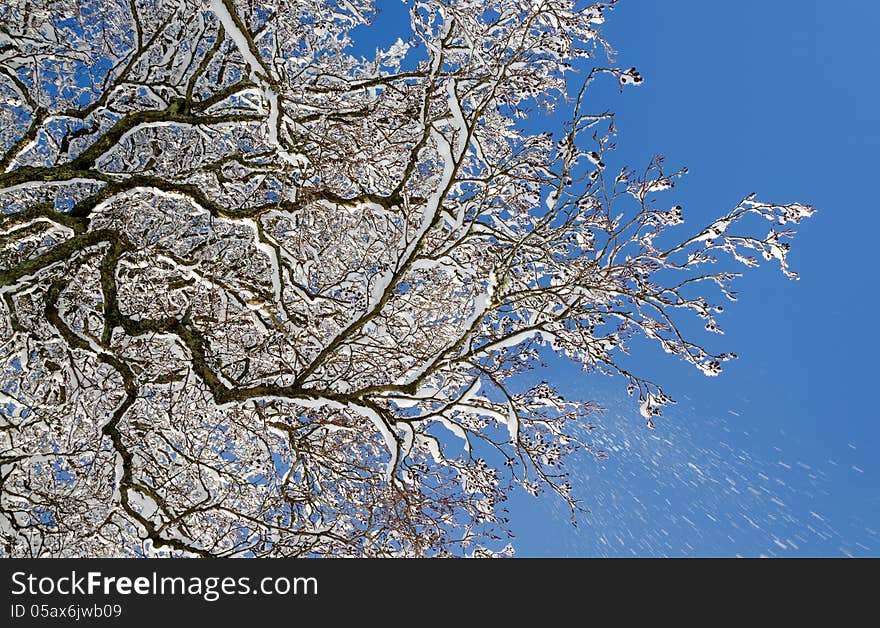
(264, 297)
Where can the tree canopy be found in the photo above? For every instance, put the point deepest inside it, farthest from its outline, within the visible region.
(263, 296)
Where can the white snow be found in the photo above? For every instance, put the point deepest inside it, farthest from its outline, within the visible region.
(512, 423)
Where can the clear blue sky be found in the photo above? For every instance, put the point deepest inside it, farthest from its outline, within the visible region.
(778, 456)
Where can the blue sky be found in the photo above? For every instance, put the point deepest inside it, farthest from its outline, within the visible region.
(776, 98)
(778, 456)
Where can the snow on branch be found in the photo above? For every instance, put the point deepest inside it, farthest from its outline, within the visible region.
(263, 295)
